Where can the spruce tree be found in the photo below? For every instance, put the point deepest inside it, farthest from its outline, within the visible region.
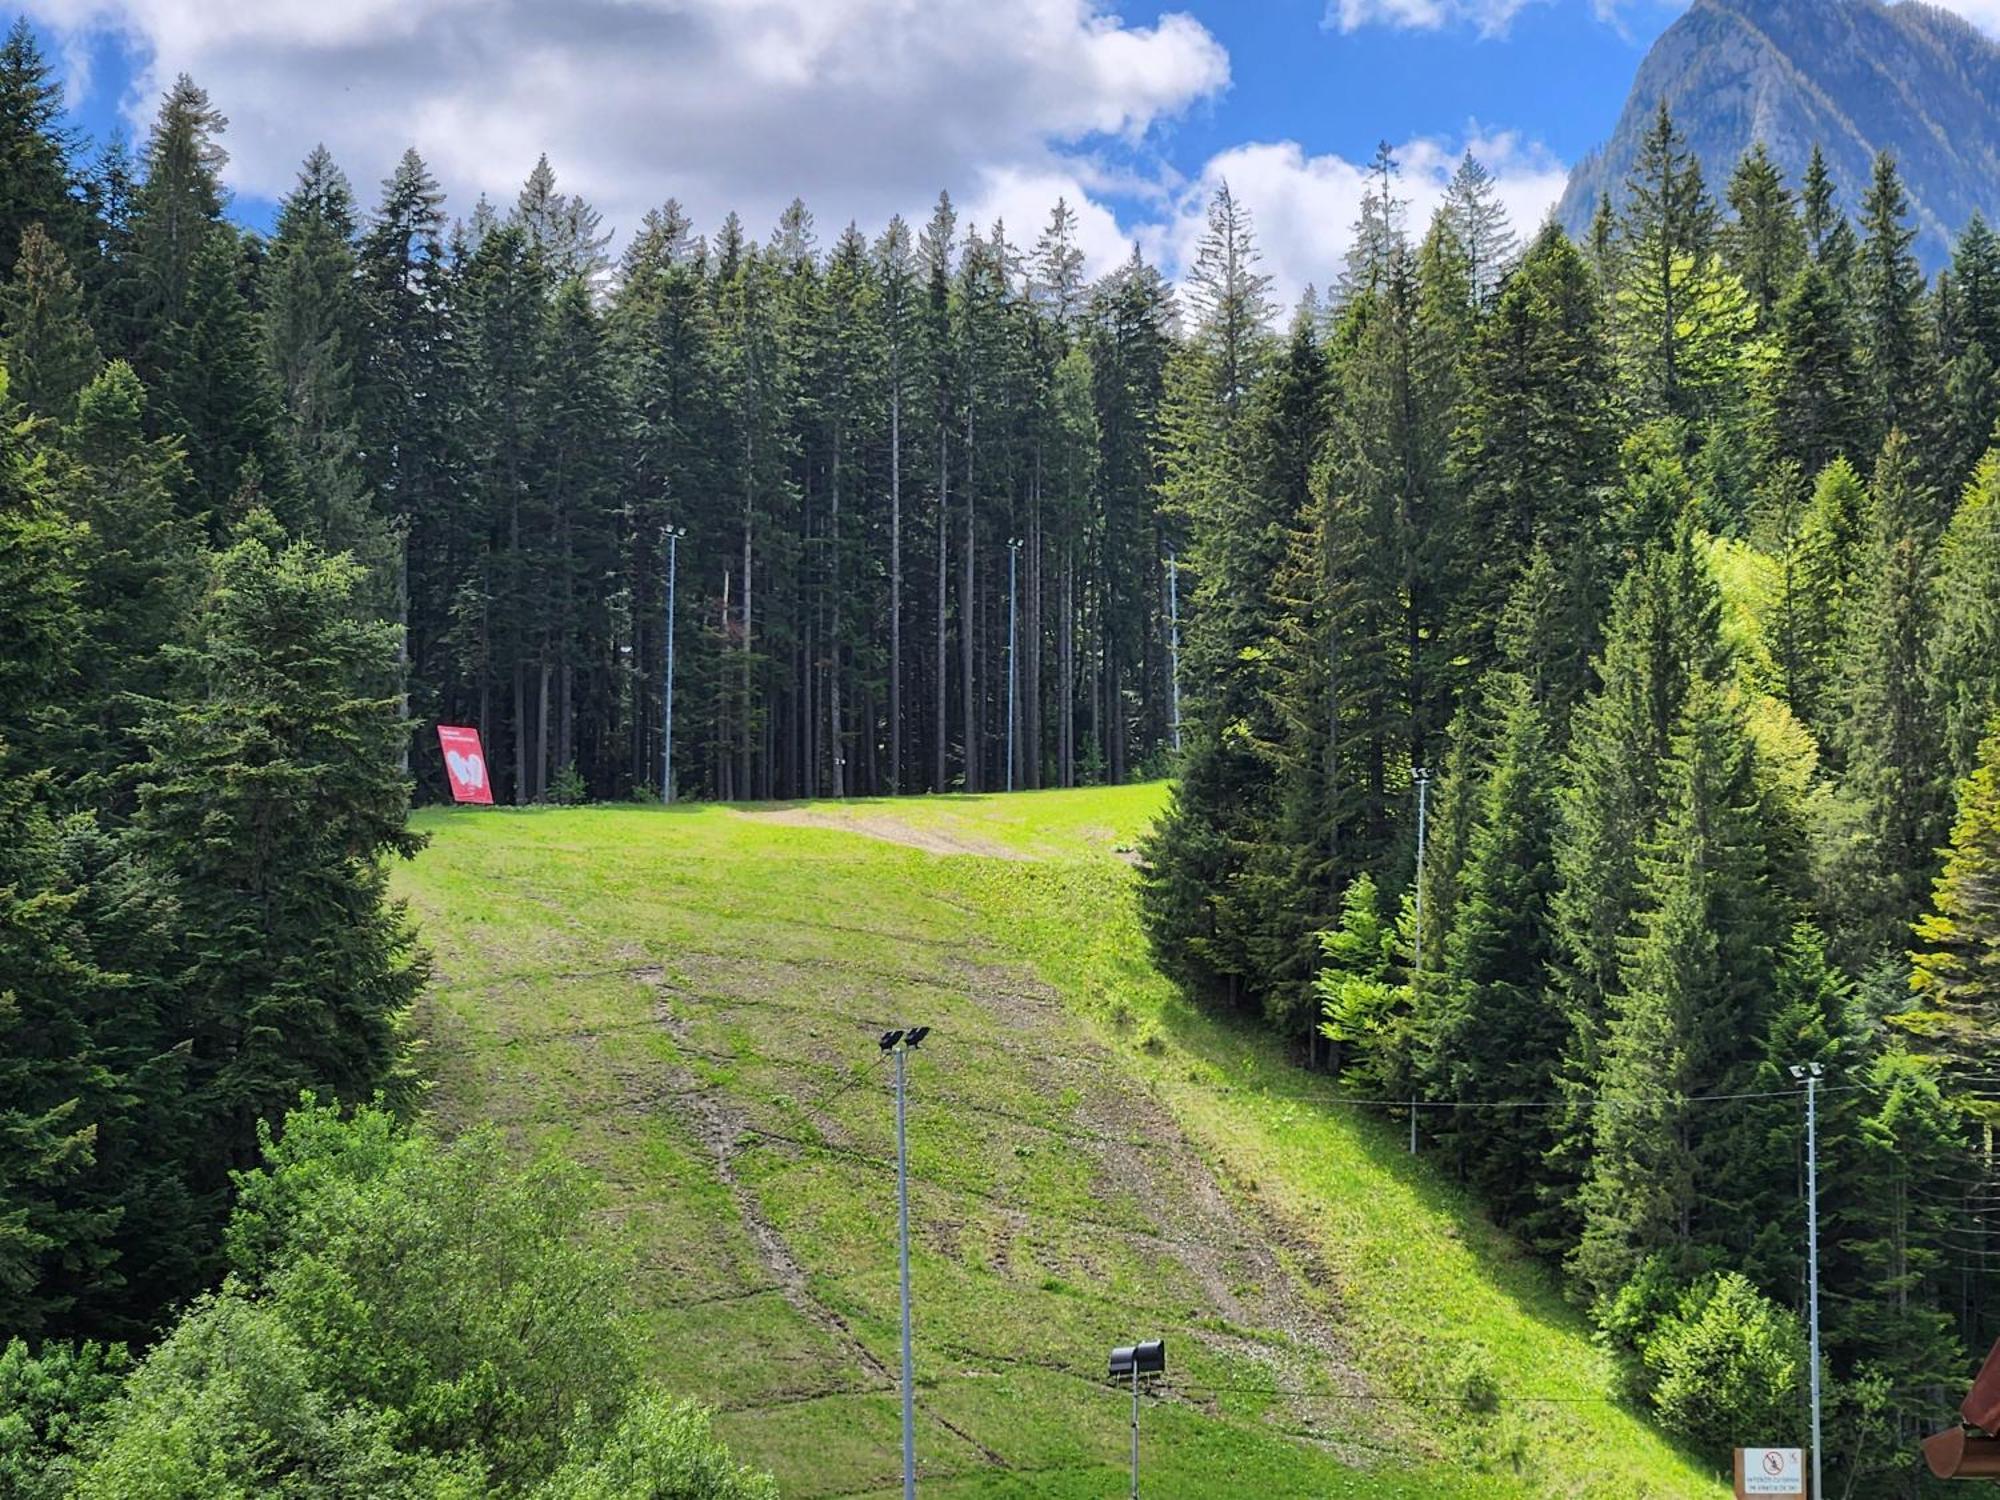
(1813, 407)
(313, 322)
(1764, 246)
(270, 801)
(38, 187)
(1889, 287)
(1478, 221)
(1964, 650)
(1683, 1028)
(1895, 784)
(46, 341)
(1955, 1021)
(1499, 1034)
(1829, 235)
(1534, 445)
(1665, 239)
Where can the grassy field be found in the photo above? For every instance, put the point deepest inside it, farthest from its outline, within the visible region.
(688, 999)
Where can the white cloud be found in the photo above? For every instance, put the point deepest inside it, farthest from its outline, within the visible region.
(866, 107)
(1304, 207)
(1491, 17)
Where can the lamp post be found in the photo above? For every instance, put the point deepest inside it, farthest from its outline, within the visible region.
(1421, 779)
(1810, 1074)
(1013, 653)
(901, 1044)
(673, 535)
(1134, 1360)
(1174, 640)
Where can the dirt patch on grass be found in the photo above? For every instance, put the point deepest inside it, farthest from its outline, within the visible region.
(889, 829)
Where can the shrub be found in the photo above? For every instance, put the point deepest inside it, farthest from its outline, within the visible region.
(1728, 1368)
(47, 1397)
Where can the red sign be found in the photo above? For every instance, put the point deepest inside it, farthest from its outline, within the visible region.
(465, 764)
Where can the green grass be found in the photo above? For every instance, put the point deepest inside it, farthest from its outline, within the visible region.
(688, 1000)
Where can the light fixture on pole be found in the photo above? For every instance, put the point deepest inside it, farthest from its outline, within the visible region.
(1810, 1074)
(672, 535)
(1130, 1361)
(901, 1044)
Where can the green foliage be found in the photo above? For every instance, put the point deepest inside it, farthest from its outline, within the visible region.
(48, 1399)
(410, 1318)
(1727, 1364)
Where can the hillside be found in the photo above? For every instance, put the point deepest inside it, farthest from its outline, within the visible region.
(688, 999)
(1856, 76)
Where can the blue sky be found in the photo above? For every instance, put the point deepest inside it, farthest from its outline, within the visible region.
(1131, 109)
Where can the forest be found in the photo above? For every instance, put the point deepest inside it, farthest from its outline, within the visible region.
(1670, 559)
(1659, 576)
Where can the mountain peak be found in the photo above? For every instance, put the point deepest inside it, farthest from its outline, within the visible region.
(1852, 76)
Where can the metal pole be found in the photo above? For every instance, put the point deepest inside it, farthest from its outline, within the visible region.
(1812, 1263)
(1013, 656)
(1174, 638)
(1422, 777)
(903, 1263)
(667, 691)
(1135, 1430)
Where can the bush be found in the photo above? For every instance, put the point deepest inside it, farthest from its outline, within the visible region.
(46, 1400)
(409, 1320)
(1728, 1368)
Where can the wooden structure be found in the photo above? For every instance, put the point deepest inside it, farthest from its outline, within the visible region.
(1972, 1451)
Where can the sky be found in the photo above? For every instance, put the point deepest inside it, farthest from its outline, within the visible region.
(1131, 110)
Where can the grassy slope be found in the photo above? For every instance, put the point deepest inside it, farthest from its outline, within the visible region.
(688, 999)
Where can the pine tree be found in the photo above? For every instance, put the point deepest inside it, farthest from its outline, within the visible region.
(1478, 221)
(1890, 742)
(1534, 441)
(1683, 1027)
(45, 339)
(270, 800)
(1665, 237)
(1829, 235)
(1964, 649)
(1813, 406)
(1764, 246)
(1499, 1035)
(563, 229)
(313, 322)
(38, 185)
(1889, 286)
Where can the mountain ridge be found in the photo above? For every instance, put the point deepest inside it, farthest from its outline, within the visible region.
(1854, 76)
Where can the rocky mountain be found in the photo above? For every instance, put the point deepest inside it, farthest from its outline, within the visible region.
(1856, 76)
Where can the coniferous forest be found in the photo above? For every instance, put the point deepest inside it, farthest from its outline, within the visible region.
(1670, 558)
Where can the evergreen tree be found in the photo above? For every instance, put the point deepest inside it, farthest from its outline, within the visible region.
(1499, 1036)
(1829, 235)
(1478, 222)
(1964, 648)
(1764, 246)
(1694, 989)
(1956, 978)
(45, 340)
(1819, 599)
(1813, 406)
(1889, 286)
(313, 322)
(1665, 240)
(1894, 784)
(270, 801)
(38, 187)
(1534, 441)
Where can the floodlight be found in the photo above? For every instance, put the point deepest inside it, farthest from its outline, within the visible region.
(915, 1035)
(889, 1040)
